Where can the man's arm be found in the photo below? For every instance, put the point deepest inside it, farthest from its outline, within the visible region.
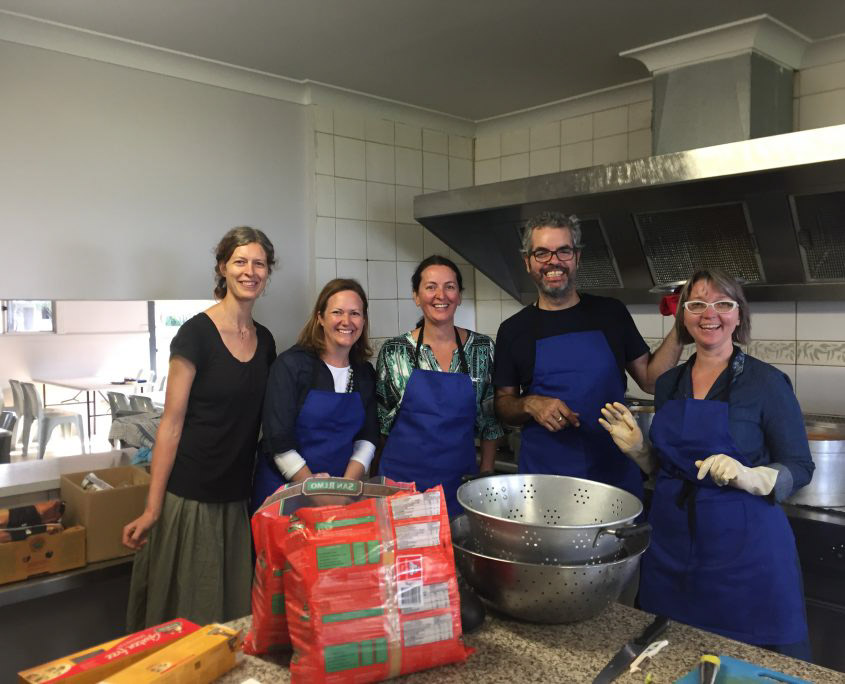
(647, 368)
(549, 412)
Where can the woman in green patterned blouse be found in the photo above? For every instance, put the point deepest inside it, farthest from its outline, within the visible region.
(434, 390)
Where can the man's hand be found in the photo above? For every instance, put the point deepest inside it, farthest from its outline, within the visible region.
(551, 413)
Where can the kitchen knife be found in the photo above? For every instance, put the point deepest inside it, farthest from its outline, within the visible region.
(628, 653)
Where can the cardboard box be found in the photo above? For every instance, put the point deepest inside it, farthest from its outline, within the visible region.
(104, 513)
(94, 664)
(199, 658)
(41, 554)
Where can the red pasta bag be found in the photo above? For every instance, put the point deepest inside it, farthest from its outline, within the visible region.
(370, 589)
(269, 629)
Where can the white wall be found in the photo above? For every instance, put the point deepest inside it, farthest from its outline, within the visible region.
(116, 183)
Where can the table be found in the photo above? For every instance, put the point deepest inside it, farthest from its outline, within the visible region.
(91, 386)
(512, 651)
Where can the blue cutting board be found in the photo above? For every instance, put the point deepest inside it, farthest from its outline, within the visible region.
(733, 671)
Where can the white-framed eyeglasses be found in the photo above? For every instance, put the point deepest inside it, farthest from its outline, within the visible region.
(723, 306)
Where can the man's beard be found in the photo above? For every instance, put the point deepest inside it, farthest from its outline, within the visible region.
(559, 292)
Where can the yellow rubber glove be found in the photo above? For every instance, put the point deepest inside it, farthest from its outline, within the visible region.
(726, 470)
(626, 435)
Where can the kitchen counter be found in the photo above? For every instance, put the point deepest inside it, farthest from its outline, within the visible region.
(508, 651)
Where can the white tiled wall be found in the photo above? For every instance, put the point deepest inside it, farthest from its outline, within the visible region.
(368, 169)
(820, 86)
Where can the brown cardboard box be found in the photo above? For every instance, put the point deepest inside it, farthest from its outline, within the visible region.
(93, 664)
(104, 513)
(199, 658)
(42, 553)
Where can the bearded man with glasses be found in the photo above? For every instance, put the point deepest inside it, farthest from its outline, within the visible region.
(561, 359)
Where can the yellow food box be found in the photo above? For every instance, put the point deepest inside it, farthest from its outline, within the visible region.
(198, 658)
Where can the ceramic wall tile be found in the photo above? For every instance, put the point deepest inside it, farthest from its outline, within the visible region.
(639, 144)
(405, 203)
(647, 319)
(465, 315)
(409, 314)
(821, 353)
(381, 202)
(822, 78)
(576, 156)
(485, 289)
(639, 116)
(324, 271)
(611, 149)
(409, 167)
(488, 171)
(435, 171)
(408, 136)
(822, 109)
(488, 147)
(324, 237)
(350, 198)
(773, 351)
(819, 389)
(468, 274)
(380, 164)
(409, 241)
(576, 129)
(433, 245)
(821, 321)
(488, 316)
(515, 166)
(510, 307)
(435, 141)
(460, 173)
(610, 122)
(544, 161)
(353, 268)
(351, 239)
(381, 241)
(323, 118)
(515, 141)
(544, 135)
(460, 146)
(773, 320)
(404, 271)
(384, 317)
(381, 279)
(349, 123)
(349, 158)
(379, 130)
(458, 258)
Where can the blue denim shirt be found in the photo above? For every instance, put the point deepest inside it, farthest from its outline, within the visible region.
(765, 419)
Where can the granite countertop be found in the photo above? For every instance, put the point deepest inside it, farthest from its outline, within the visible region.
(508, 651)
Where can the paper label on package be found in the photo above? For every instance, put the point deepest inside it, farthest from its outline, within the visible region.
(432, 597)
(417, 535)
(409, 581)
(427, 630)
(416, 506)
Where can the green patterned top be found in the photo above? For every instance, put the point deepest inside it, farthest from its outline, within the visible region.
(396, 361)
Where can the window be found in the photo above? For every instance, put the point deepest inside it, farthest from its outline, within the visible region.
(28, 316)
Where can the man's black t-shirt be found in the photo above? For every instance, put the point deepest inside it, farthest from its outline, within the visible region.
(517, 336)
(216, 453)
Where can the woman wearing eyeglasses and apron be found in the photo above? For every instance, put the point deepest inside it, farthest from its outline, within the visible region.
(435, 393)
(728, 442)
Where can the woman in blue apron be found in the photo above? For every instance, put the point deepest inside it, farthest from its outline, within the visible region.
(435, 390)
(729, 441)
(320, 409)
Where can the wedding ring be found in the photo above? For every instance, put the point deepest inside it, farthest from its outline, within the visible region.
(559, 418)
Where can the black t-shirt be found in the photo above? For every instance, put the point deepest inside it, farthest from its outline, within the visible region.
(517, 336)
(216, 453)
(293, 375)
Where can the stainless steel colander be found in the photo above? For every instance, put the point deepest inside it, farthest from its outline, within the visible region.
(549, 519)
(544, 593)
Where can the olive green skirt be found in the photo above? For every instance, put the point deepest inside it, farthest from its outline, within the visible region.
(196, 564)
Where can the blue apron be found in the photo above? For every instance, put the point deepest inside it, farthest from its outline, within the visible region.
(720, 559)
(580, 370)
(325, 434)
(432, 440)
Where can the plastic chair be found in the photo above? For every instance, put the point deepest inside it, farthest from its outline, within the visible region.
(20, 409)
(140, 403)
(48, 419)
(119, 405)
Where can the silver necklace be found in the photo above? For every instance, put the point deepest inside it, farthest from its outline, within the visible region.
(349, 381)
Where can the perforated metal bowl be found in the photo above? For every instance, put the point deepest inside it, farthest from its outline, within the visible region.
(544, 593)
(549, 519)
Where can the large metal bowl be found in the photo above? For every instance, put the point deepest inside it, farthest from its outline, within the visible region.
(544, 593)
(549, 519)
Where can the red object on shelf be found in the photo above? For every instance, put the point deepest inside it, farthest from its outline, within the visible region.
(669, 304)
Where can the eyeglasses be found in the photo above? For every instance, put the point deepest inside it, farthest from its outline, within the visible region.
(562, 253)
(695, 306)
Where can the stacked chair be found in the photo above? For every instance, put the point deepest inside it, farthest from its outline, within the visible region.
(46, 418)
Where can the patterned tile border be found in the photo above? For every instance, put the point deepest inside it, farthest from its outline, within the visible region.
(785, 352)
(821, 353)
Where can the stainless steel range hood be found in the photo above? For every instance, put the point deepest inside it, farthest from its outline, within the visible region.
(770, 210)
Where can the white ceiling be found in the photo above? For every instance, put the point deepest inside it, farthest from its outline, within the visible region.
(469, 58)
